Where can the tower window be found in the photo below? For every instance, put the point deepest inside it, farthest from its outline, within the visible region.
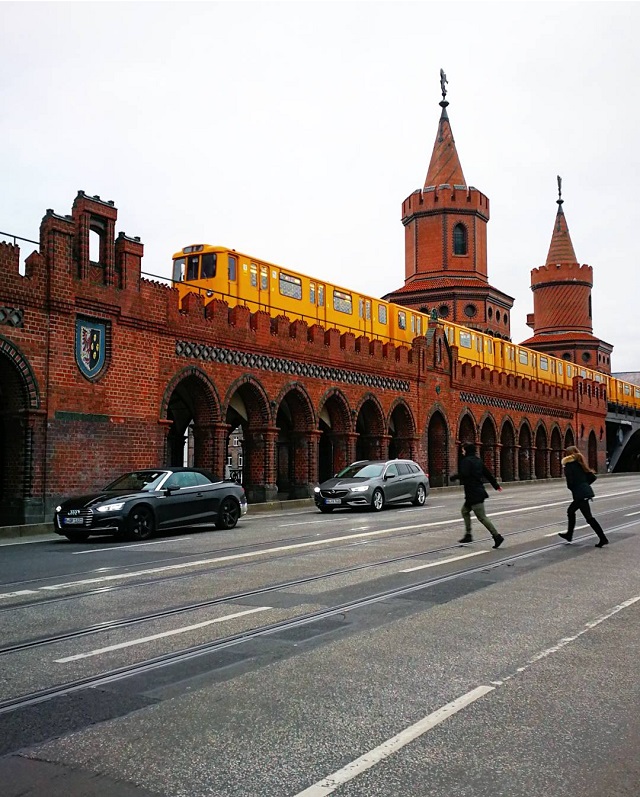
(459, 240)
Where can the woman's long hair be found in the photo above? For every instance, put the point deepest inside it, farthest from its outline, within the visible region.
(575, 453)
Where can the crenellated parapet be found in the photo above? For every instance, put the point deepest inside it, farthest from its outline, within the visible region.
(435, 199)
(562, 272)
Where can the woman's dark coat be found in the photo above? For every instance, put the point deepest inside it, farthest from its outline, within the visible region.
(579, 481)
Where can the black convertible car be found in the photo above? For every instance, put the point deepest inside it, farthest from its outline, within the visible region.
(142, 502)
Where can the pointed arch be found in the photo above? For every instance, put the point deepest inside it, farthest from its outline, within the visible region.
(438, 437)
(507, 450)
(541, 452)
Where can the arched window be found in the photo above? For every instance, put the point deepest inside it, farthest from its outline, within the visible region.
(459, 240)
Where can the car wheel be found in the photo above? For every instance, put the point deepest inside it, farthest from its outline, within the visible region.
(140, 524)
(77, 536)
(421, 496)
(325, 509)
(229, 513)
(377, 500)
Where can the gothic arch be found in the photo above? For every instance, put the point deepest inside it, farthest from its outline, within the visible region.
(402, 431)
(296, 461)
(525, 470)
(507, 451)
(438, 437)
(592, 451)
(569, 438)
(555, 453)
(370, 428)
(21, 432)
(541, 454)
(334, 425)
(211, 406)
(488, 442)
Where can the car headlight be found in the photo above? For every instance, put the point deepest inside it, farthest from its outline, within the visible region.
(362, 489)
(316, 489)
(110, 507)
(58, 509)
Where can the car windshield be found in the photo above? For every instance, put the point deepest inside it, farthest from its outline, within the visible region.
(367, 470)
(137, 481)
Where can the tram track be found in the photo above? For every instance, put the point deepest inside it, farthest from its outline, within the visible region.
(185, 654)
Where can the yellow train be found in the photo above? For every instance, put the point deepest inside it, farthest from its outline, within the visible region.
(220, 273)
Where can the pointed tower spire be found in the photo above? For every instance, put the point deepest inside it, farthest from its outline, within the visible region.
(561, 319)
(445, 253)
(561, 248)
(444, 167)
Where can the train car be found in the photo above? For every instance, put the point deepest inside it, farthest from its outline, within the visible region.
(220, 273)
(217, 272)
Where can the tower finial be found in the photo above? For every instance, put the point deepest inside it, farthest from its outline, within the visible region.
(560, 200)
(443, 80)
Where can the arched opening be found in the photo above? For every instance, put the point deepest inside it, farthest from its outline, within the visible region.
(294, 420)
(592, 451)
(555, 458)
(466, 434)
(370, 430)
(488, 447)
(438, 450)
(524, 453)
(192, 409)
(460, 246)
(334, 451)
(541, 453)
(401, 433)
(507, 452)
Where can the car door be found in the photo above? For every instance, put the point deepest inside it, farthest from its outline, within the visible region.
(407, 482)
(392, 484)
(182, 506)
(211, 493)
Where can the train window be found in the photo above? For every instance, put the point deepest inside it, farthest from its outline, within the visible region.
(320, 295)
(264, 278)
(448, 331)
(290, 286)
(382, 314)
(254, 275)
(523, 357)
(232, 267)
(178, 269)
(560, 368)
(636, 392)
(367, 309)
(342, 302)
(479, 344)
(568, 370)
(544, 363)
(312, 292)
(402, 319)
(583, 373)
(418, 325)
(626, 389)
(489, 346)
(361, 307)
(465, 340)
(208, 265)
(193, 262)
(533, 360)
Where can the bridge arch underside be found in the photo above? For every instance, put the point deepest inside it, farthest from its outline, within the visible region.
(21, 435)
(623, 448)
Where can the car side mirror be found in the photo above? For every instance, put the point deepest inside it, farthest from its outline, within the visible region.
(169, 490)
(389, 476)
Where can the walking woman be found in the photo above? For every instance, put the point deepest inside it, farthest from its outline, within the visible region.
(579, 478)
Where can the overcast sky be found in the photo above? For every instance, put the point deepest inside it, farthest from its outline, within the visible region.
(293, 131)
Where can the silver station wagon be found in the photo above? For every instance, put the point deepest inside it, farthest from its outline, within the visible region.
(374, 484)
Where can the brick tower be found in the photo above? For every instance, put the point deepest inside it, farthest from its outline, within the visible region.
(446, 244)
(561, 318)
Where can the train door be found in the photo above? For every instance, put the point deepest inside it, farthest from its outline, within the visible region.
(365, 324)
(263, 288)
(318, 303)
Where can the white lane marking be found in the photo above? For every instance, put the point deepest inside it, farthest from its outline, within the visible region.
(577, 528)
(630, 514)
(142, 640)
(444, 561)
(128, 547)
(19, 592)
(278, 549)
(332, 782)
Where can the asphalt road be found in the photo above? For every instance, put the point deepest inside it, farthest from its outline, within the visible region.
(355, 654)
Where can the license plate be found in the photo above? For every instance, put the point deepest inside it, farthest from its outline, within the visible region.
(332, 501)
(73, 521)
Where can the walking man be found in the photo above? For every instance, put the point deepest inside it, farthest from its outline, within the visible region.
(473, 472)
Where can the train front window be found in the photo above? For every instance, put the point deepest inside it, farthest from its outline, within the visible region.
(208, 265)
(193, 264)
(178, 269)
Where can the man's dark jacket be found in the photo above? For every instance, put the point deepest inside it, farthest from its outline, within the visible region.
(473, 472)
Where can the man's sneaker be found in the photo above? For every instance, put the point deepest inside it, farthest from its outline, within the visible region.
(467, 538)
(565, 536)
(497, 541)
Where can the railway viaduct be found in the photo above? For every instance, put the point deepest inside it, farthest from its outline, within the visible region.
(103, 369)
